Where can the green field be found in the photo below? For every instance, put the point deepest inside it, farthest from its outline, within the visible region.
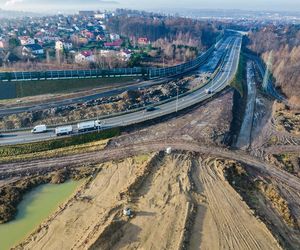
(32, 88)
(239, 81)
(6, 151)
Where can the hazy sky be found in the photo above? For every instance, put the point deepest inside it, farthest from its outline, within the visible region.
(46, 5)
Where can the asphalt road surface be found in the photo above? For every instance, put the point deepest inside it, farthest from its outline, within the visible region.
(232, 47)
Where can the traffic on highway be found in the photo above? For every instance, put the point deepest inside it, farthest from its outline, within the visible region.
(230, 47)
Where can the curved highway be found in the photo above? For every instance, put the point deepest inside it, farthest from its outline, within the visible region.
(219, 49)
(217, 84)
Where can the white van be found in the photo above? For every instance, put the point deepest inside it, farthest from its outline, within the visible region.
(39, 129)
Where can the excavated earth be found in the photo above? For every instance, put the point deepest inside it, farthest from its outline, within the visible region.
(203, 195)
(179, 201)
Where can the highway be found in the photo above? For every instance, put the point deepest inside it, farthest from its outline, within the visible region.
(217, 84)
(107, 93)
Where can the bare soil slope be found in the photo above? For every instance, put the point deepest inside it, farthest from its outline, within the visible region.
(179, 201)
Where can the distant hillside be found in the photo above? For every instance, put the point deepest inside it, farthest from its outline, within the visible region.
(17, 14)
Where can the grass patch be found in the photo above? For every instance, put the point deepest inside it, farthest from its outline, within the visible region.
(22, 149)
(32, 88)
(70, 150)
(239, 81)
(286, 162)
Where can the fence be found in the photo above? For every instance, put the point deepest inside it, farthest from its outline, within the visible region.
(70, 74)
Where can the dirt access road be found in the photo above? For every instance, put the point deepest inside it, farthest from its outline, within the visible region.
(163, 191)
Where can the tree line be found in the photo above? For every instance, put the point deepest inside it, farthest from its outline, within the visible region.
(183, 30)
(281, 45)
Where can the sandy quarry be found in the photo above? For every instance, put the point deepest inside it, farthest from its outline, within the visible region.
(179, 200)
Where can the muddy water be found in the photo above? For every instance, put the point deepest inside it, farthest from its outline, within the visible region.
(36, 206)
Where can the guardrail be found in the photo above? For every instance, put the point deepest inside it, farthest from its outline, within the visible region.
(181, 68)
(98, 73)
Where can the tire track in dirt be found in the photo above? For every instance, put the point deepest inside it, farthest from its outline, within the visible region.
(162, 192)
(233, 226)
(16, 169)
(94, 207)
(160, 206)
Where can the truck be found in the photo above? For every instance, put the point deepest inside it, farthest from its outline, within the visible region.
(86, 126)
(64, 130)
(99, 124)
(39, 129)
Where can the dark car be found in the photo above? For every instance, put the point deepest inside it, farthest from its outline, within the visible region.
(151, 108)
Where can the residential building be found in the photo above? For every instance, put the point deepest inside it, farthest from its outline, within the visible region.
(32, 50)
(84, 57)
(3, 43)
(125, 55)
(143, 41)
(26, 40)
(100, 16)
(115, 44)
(114, 37)
(60, 45)
(100, 38)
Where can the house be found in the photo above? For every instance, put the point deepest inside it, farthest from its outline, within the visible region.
(32, 50)
(143, 41)
(26, 40)
(87, 34)
(114, 37)
(115, 44)
(100, 16)
(84, 57)
(125, 55)
(79, 40)
(60, 45)
(3, 43)
(100, 38)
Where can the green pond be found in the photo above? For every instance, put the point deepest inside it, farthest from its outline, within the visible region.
(36, 206)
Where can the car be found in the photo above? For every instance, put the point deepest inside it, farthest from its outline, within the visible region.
(150, 108)
(208, 91)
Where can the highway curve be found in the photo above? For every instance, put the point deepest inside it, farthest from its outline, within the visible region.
(219, 83)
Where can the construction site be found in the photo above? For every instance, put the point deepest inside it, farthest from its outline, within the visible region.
(183, 188)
